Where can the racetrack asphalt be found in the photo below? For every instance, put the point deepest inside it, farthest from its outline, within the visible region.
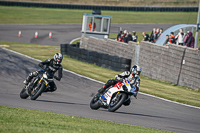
(74, 94)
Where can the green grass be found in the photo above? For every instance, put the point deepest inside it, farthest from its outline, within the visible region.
(154, 87)
(16, 120)
(25, 15)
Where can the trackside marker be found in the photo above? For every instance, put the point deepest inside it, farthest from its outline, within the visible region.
(20, 33)
(50, 34)
(36, 34)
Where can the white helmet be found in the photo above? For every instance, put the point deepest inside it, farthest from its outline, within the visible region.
(135, 71)
(58, 58)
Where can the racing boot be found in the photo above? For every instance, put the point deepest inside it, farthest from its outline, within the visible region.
(27, 80)
(135, 95)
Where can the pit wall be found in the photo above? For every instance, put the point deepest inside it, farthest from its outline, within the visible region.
(175, 64)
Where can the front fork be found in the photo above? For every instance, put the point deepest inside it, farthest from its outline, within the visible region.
(30, 87)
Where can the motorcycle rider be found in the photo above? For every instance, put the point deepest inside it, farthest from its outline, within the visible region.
(51, 64)
(132, 76)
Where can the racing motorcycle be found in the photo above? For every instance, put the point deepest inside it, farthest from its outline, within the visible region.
(114, 97)
(37, 85)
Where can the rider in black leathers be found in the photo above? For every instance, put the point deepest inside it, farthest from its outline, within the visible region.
(51, 64)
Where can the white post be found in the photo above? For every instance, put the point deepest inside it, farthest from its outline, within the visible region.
(197, 29)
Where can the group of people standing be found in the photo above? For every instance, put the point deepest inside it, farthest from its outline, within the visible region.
(181, 38)
(126, 36)
(155, 34)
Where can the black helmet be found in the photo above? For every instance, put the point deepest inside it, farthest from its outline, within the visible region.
(58, 58)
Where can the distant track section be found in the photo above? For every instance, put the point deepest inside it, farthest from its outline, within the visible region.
(100, 7)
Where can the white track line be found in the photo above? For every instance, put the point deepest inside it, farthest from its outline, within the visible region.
(102, 82)
(74, 40)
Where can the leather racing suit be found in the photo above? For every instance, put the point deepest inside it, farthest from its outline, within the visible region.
(53, 67)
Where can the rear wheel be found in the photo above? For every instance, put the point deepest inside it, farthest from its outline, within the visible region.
(23, 94)
(94, 102)
(37, 91)
(116, 102)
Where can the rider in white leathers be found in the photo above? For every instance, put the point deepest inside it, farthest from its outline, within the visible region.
(132, 76)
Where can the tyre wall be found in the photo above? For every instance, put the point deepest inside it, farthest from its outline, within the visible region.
(100, 59)
(110, 47)
(100, 7)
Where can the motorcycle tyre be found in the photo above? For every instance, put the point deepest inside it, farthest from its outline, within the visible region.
(23, 94)
(42, 87)
(119, 104)
(94, 105)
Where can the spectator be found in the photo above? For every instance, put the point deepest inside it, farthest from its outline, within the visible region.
(172, 38)
(153, 34)
(157, 34)
(134, 36)
(119, 36)
(146, 36)
(185, 39)
(160, 32)
(167, 41)
(180, 37)
(190, 40)
(127, 37)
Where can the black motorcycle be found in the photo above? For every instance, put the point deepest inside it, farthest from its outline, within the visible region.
(37, 85)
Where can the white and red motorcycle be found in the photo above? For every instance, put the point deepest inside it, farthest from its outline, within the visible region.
(114, 97)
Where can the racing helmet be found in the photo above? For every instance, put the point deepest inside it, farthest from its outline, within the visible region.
(135, 71)
(58, 58)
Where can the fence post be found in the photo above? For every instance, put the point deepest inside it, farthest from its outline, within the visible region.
(137, 53)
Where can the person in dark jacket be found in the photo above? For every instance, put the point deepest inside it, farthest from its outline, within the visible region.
(153, 35)
(119, 36)
(146, 36)
(127, 36)
(134, 37)
(190, 40)
(51, 64)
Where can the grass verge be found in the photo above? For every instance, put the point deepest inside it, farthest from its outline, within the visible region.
(154, 87)
(15, 120)
(32, 15)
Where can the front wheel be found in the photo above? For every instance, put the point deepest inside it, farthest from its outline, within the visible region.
(23, 94)
(116, 102)
(94, 102)
(37, 91)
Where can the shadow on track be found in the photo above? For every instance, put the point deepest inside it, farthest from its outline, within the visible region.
(135, 114)
(62, 102)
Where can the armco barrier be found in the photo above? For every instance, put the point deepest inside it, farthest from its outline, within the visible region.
(96, 7)
(93, 57)
(176, 64)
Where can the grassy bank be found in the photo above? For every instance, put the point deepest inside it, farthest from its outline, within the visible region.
(25, 15)
(16, 120)
(154, 87)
